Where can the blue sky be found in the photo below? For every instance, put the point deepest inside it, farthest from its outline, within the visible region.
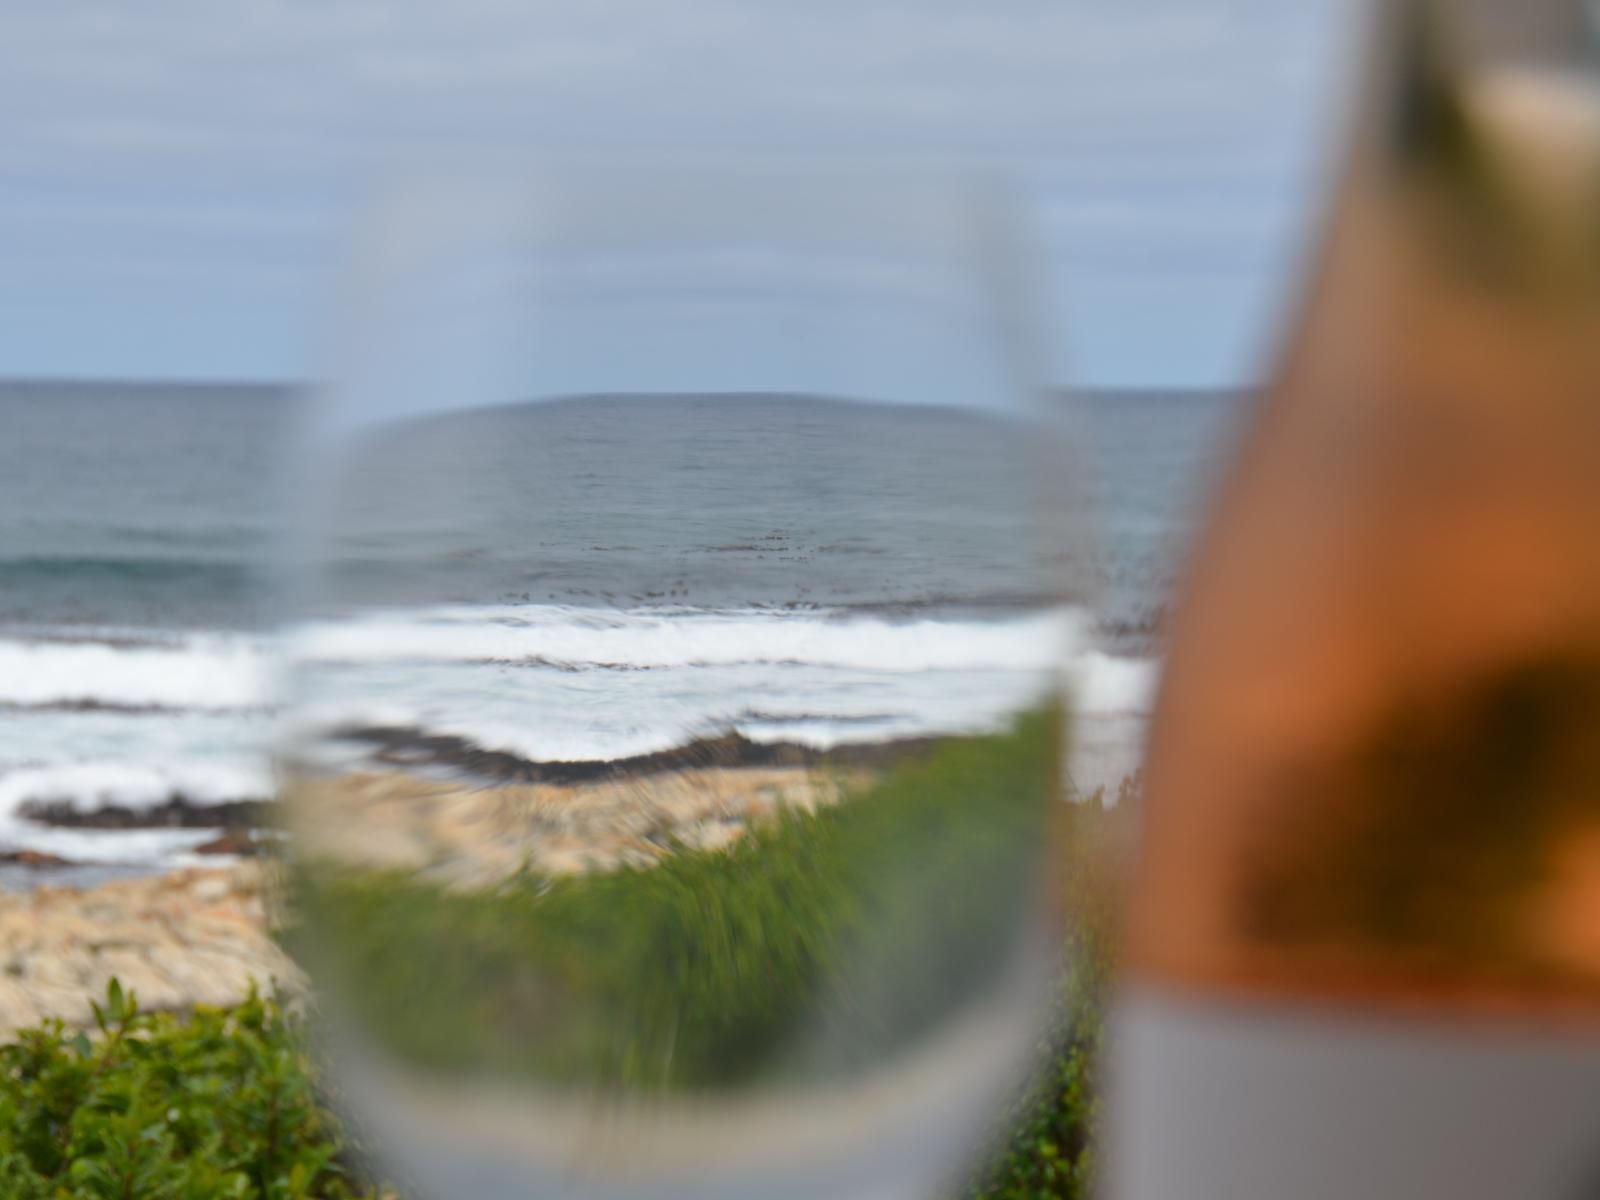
(177, 177)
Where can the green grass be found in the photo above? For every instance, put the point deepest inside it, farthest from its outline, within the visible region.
(812, 946)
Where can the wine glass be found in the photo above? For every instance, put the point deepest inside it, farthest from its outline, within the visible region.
(1363, 956)
(676, 710)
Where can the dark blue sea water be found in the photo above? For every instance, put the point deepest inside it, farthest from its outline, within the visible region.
(138, 505)
(496, 570)
(706, 502)
(155, 506)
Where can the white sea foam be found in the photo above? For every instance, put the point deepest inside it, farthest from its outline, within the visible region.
(1105, 685)
(195, 671)
(84, 787)
(179, 715)
(161, 848)
(654, 639)
(546, 683)
(817, 678)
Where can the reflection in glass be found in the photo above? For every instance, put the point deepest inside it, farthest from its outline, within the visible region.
(676, 720)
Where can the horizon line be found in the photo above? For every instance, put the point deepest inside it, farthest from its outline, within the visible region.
(285, 384)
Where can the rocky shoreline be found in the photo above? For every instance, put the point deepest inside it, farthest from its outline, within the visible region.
(240, 822)
(178, 812)
(407, 746)
(187, 937)
(201, 935)
(474, 838)
(231, 842)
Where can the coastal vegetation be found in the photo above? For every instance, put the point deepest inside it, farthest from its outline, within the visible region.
(229, 1103)
(813, 944)
(156, 1106)
(706, 971)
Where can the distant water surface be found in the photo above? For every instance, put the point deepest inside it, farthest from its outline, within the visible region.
(138, 506)
(665, 535)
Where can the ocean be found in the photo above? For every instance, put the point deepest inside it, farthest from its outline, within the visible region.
(579, 580)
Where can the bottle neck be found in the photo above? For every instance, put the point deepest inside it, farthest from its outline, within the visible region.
(1537, 34)
(1466, 111)
(1424, 56)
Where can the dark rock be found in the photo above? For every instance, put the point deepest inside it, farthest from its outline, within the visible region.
(176, 813)
(234, 841)
(409, 746)
(33, 858)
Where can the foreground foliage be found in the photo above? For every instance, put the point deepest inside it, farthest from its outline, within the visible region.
(1045, 1147)
(224, 1103)
(219, 1103)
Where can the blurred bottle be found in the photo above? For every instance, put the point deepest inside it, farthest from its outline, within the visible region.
(1363, 950)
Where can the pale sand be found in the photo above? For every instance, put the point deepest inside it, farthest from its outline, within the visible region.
(190, 937)
(200, 936)
(474, 838)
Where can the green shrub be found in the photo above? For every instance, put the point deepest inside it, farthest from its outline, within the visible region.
(1046, 1147)
(218, 1103)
